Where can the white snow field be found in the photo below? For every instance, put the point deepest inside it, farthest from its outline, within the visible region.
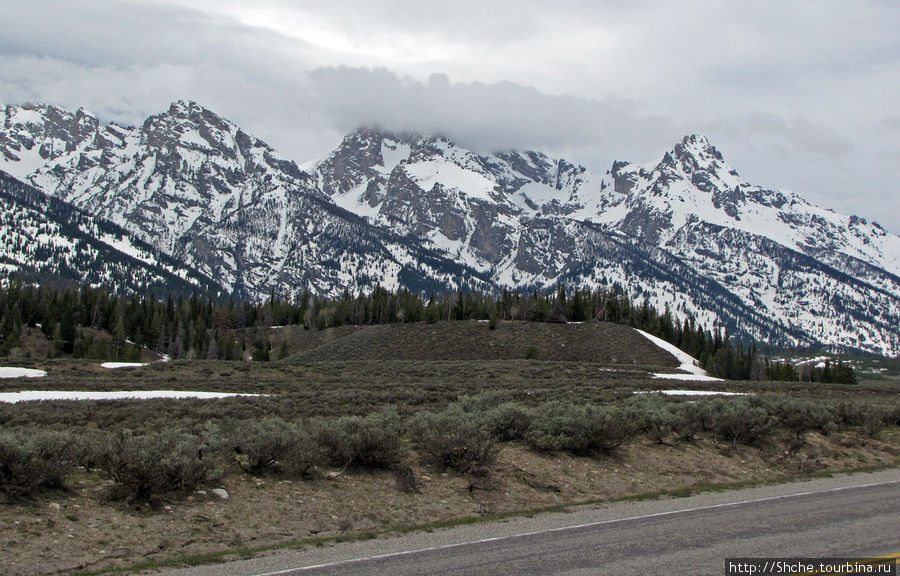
(35, 395)
(114, 365)
(691, 393)
(13, 372)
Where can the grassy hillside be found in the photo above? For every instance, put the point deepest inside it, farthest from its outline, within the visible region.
(600, 342)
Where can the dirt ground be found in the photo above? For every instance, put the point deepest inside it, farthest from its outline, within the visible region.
(77, 530)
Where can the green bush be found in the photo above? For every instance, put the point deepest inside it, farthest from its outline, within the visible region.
(86, 447)
(261, 444)
(28, 465)
(148, 466)
(690, 418)
(651, 414)
(867, 416)
(303, 455)
(740, 420)
(873, 422)
(373, 441)
(800, 415)
(579, 429)
(509, 421)
(457, 440)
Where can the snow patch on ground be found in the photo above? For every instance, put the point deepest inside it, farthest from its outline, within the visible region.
(114, 365)
(688, 377)
(689, 364)
(34, 395)
(13, 372)
(691, 393)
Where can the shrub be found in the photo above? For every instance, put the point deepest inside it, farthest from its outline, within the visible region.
(851, 413)
(800, 415)
(303, 455)
(740, 420)
(892, 414)
(52, 449)
(260, 444)
(476, 403)
(652, 415)
(509, 421)
(870, 418)
(29, 465)
(873, 422)
(454, 439)
(690, 418)
(145, 467)
(373, 441)
(578, 429)
(86, 447)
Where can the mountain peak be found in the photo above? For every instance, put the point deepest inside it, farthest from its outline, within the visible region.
(185, 107)
(190, 111)
(695, 154)
(699, 147)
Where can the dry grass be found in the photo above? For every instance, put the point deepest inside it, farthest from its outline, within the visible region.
(85, 533)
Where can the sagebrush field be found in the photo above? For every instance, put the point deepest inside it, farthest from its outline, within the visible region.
(361, 430)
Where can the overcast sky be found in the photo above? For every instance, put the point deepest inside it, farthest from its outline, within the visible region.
(800, 95)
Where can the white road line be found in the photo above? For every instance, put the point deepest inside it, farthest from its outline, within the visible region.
(567, 528)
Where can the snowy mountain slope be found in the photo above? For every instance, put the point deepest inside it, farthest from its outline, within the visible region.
(694, 183)
(49, 240)
(832, 276)
(184, 181)
(206, 193)
(405, 210)
(819, 277)
(455, 201)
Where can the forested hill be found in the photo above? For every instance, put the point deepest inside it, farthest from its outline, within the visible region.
(193, 327)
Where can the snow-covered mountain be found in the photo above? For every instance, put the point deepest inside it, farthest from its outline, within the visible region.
(683, 232)
(423, 213)
(831, 276)
(49, 241)
(205, 192)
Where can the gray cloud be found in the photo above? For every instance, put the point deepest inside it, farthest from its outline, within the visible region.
(781, 89)
(486, 117)
(801, 133)
(889, 125)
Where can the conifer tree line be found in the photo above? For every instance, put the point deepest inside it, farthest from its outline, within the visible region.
(195, 327)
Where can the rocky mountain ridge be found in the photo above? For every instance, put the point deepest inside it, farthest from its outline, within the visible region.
(405, 210)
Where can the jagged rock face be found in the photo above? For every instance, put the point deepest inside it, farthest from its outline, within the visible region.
(35, 134)
(832, 278)
(445, 196)
(202, 190)
(422, 212)
(47, 240)
(420, 188)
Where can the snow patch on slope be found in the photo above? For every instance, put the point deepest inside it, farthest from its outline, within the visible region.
(689, 364)
(431, 172)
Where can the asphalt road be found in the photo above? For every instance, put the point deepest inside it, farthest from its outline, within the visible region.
(845, 516)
